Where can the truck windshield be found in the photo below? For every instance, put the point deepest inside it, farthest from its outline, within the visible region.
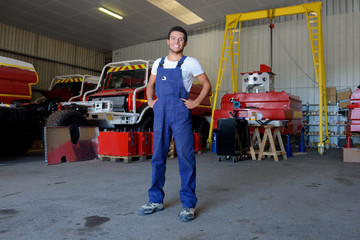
(125, 79)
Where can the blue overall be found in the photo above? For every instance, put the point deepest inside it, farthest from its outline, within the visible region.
(172, 117)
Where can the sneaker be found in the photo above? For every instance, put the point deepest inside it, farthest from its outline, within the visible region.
(187, 214)
(150, 207)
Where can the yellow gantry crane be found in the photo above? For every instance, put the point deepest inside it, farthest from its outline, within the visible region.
(231, 49)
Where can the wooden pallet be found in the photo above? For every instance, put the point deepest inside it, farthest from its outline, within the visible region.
(126, 159)
(172, 151)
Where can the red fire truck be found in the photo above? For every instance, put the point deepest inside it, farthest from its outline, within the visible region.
(119, 102)
(21, 119)
(16, 79)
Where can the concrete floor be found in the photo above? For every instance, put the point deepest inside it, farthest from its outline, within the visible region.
(304, 197)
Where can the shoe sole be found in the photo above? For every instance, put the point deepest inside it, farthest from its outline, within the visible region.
(142, 213)
(186, 219)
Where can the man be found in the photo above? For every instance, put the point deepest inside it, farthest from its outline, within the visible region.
(171, 80)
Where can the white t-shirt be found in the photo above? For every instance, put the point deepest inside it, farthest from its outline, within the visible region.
(190, 69)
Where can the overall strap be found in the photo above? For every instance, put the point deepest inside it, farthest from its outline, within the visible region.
(181, 61)
(161, 64)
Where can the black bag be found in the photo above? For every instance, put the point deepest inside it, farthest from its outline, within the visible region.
(232, 137)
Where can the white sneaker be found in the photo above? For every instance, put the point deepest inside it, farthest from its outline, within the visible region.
(187, 214)
(150, 207)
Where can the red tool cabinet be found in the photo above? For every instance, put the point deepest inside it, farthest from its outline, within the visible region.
(197, 142)
(144, 143)
(118, 143)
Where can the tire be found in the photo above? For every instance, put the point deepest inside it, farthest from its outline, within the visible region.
(146, 125)
(70, 118)
(17, 140)
(27, 137)
(201, 125)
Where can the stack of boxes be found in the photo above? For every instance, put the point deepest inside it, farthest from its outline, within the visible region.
(331, 95)
(342, 96)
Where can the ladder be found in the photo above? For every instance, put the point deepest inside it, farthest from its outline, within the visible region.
(317, 49)
(232, 31)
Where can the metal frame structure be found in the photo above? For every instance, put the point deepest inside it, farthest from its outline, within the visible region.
(231, 48)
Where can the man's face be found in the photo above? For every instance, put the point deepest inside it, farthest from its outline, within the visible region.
(176, 42)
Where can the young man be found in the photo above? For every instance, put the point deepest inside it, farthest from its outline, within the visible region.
(171, 80)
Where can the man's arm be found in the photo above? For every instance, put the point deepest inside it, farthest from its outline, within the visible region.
(203, 79)
(150, 90)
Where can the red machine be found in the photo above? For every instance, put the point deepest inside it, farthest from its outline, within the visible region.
(259, 101)
(354, 112)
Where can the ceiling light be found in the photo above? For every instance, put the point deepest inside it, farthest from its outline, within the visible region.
(177, 10)
(110, 13)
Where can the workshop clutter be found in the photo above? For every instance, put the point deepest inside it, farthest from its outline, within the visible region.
(130, 146)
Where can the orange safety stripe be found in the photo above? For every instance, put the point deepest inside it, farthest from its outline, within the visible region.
(124, 68)
(69, 80)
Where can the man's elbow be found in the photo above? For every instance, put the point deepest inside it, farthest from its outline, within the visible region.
(207, 86)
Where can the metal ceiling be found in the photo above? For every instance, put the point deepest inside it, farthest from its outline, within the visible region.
(80, 22)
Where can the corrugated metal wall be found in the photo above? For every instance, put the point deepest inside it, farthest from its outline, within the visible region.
(292, 59)
(49, 56)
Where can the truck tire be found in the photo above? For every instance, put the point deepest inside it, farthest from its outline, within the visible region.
(70, 118)
(146, 125)
(17, 140)
(201, 125)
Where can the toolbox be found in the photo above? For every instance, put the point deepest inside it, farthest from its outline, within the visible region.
(118, 143)
(197, 142)
(144, 140)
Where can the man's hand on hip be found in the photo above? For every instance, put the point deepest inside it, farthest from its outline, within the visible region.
(151, 103)
(190, 104)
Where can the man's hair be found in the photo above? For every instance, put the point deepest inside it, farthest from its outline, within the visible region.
(178, 29)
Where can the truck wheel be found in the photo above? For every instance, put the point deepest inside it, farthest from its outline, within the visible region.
(19, 139)
(146, 124)
(201, 125)
(27, 139)
(70, 118)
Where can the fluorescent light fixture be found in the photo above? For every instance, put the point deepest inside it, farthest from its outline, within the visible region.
(110, 13)
(177, 10)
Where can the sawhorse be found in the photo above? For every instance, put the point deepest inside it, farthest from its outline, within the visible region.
(262, 143)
